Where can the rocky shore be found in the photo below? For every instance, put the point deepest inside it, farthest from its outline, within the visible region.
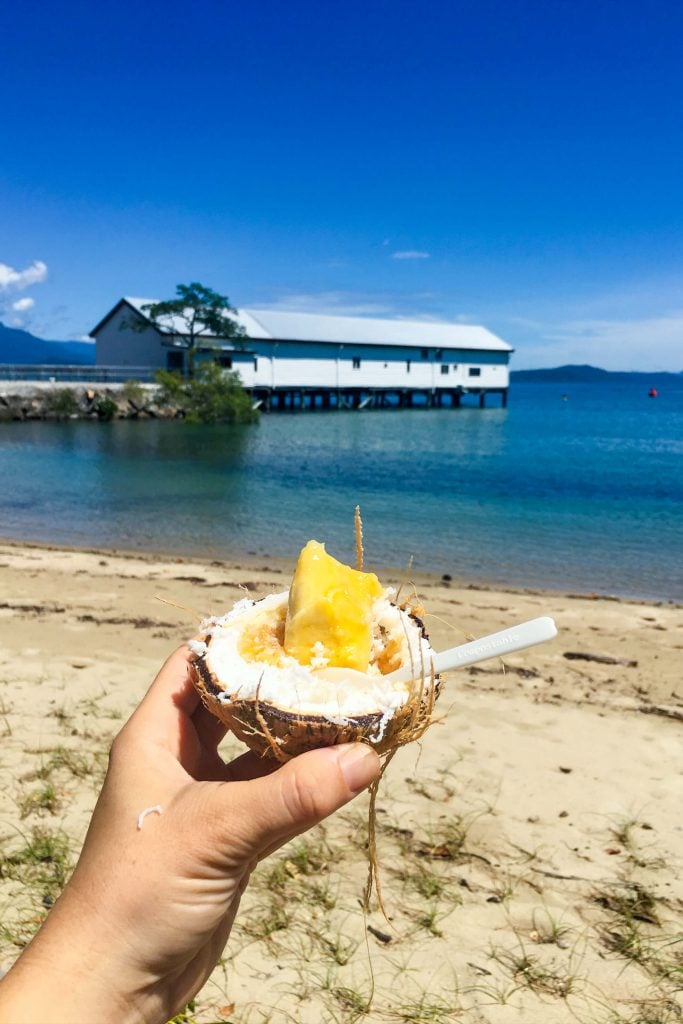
(56, 401)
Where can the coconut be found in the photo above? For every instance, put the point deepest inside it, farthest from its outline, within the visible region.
(261, 668)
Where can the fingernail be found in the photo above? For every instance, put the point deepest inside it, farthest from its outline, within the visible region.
(358, 764)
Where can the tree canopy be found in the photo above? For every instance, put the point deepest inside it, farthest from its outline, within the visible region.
(204, 315)
(211, 396)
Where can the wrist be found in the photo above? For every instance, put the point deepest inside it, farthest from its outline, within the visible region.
(56, 993)
(71, 975)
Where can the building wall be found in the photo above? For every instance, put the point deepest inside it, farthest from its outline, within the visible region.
(119, 345)
(283, 364)
(376, 370)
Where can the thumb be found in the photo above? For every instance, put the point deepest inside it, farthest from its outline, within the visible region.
(265, 813)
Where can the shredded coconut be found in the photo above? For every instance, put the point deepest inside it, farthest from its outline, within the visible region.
(381, 727)
(292, 685)
(207, 624)
(337, 719)
(319, 659)
(148, 810)
(212, 623)
(197, 647)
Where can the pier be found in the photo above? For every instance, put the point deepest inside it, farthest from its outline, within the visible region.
(267, 399)
(301, 399)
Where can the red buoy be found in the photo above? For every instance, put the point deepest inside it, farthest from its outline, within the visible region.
(652, 392)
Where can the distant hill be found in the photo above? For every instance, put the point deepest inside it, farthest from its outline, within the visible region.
(22, 347)
(585, 374)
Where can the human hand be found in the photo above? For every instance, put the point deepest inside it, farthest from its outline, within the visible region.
(150, 905)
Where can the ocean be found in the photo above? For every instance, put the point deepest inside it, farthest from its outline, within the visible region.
(583, 493)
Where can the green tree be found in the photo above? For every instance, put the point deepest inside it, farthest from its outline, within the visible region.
(211, 396)
(200, 314)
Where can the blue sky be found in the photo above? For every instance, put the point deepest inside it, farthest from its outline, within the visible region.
(515, 164)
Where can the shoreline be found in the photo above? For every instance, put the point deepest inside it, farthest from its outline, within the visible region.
(390, 574)
(505, 505)
(608, 633)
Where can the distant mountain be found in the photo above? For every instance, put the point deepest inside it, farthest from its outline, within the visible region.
(18, 346)
(584, 374)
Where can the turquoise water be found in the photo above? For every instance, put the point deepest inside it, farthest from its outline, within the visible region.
(584, 494)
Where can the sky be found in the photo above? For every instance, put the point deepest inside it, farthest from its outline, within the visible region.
(513, 164)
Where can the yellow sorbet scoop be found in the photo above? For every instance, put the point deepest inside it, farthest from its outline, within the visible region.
(329, 611)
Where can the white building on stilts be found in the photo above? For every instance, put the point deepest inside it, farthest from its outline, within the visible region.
(309, 360)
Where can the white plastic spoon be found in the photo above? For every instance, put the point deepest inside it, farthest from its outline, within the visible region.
(516, 638)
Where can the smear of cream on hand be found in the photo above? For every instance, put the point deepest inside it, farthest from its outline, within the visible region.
(148, 810)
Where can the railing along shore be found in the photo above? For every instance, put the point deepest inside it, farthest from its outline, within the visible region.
(77, 374)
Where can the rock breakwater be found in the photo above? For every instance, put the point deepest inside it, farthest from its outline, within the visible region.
(58, 401)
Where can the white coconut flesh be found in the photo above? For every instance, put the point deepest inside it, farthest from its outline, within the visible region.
(231, 656)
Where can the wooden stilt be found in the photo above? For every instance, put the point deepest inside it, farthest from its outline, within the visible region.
(291, 399)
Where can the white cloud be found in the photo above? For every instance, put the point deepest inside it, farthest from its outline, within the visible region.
(651, 343)
(393, 305)
(21, 305)
(410, 254)
(17, 280)
(334, 302)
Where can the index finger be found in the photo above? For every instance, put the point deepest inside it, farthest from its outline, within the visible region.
(170, 702)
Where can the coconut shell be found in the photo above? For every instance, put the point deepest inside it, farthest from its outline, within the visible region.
(280, 733)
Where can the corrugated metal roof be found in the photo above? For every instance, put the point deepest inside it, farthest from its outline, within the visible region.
(346, 330)
(373, 331)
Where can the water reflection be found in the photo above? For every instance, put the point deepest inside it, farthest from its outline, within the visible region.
(544, 492)
(155, 440)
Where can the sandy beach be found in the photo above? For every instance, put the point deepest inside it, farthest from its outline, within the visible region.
(531, 846)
